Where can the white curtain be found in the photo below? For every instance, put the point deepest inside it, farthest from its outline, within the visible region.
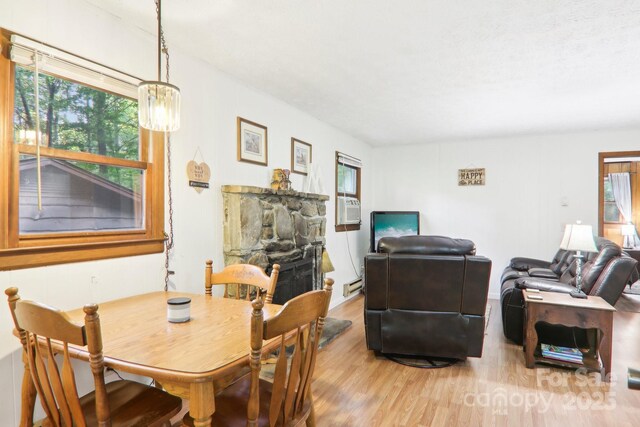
(621, 186)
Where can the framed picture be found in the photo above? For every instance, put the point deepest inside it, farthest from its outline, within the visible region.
(300, 156)
(252, 142)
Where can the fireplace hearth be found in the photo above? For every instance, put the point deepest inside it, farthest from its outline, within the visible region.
(265, 227)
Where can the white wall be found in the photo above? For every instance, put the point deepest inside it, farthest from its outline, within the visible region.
(519, 211)
(211, 102)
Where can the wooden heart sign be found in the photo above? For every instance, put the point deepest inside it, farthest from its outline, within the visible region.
(198, 175)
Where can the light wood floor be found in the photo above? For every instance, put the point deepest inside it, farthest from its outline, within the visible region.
(352, 387)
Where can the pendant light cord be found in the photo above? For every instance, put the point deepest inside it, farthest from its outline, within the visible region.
(162, 42)
(162, 48)
(169, 241)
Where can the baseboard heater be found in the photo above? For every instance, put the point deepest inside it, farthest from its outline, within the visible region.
(352, 288)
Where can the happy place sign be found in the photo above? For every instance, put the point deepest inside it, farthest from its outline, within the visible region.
(471, 176)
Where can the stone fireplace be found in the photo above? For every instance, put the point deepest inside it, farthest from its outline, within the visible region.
(265, 227)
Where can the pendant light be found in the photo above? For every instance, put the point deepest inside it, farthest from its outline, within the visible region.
(159, 102)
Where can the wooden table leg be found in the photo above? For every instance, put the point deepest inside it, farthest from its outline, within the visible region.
(606, 344)
(201, 403)
(531, 340)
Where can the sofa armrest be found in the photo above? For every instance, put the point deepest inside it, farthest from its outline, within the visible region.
(522, 263)
(543, 273)
(543, 285)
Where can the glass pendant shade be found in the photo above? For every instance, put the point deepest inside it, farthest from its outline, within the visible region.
(159, 106)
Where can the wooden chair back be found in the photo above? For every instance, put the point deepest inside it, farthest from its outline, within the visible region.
(298, 326)
(38, 326)
(244, 280)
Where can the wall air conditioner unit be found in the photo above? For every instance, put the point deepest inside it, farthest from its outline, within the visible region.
(348, 210)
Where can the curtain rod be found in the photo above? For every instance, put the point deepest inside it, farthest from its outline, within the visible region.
(72, 54)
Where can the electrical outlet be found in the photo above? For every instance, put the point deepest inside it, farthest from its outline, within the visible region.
(110, 375)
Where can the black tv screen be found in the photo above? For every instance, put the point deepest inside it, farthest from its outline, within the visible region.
(393, 224)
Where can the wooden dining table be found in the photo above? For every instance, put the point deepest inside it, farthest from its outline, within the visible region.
(187, 359)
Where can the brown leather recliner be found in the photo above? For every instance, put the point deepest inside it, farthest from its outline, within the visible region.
(426, 296)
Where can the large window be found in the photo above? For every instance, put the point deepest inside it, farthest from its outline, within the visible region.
(79, 179)
(348, 177)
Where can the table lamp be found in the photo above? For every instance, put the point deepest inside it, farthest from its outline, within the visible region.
(628, 230)
(578, 237)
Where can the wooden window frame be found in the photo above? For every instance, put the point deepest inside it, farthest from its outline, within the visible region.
(635, 183)
(348, 227)
(42, 249)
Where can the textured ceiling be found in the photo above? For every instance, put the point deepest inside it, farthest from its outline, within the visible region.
(417, 71)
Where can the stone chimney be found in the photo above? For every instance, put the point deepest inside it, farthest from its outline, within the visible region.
(264, 227)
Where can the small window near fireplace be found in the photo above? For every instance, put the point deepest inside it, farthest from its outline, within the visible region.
(348, 192)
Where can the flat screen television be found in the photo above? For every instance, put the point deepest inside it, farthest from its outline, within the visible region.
(393, 224)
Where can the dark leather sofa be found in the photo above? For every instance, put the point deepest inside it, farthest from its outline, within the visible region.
(604, 273)
(426, 296)
(531, 267)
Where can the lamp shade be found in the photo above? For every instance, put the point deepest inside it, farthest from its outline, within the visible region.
(578, 237)
(628, 230)
(327, 265)
(159, 106)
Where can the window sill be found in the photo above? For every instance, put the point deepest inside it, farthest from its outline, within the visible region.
(347, 227)
(38, 256)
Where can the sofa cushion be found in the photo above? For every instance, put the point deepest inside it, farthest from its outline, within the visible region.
(543, 273)
(426, 245)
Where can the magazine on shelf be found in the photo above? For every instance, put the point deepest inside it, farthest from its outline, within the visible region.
(564, 354)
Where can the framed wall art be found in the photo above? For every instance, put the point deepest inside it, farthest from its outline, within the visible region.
(474, 176)
(300, 156)
(252, 142)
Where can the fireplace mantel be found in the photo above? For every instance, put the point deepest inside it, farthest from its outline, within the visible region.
(248, 189)
(264, 227)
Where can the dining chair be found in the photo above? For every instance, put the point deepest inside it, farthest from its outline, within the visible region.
(287, 399)
(44, 332)
(245, 278)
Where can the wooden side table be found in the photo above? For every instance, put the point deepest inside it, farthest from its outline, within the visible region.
(562, 309)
